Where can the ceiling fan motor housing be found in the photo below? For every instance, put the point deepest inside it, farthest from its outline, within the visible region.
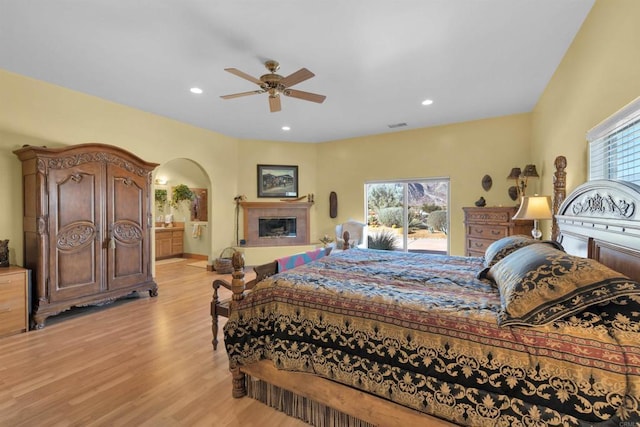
(271, 80)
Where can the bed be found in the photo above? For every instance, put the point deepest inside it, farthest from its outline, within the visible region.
(534, 333)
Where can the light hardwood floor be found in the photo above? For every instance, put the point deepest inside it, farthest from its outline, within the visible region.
(137, 362)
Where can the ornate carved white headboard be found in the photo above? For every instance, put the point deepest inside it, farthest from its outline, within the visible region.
(601, 220)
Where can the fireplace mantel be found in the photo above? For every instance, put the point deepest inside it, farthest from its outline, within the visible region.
(253, 211)
(258, 205)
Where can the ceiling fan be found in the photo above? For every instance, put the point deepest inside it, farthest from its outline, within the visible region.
(274, 84)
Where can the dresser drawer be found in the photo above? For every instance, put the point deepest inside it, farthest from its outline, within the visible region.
(490, 215)
(13, 300)
(493, 232)
(163, 235)
(485, 225)
(475, 253)
(478, 245)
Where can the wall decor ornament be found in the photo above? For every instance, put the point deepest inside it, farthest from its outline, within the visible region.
(333, 204)
(481, 202)
(521, 178)
(277, 181)
(513, 192)
(487, 182)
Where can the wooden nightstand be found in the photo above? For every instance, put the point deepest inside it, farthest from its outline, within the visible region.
(486, 225)
(14, 314)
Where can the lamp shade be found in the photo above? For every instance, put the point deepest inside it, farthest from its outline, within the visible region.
(534, 207)
(530, 171)
(515, 173)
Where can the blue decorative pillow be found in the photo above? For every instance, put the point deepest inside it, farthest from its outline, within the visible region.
(539, 284)
(505, 246)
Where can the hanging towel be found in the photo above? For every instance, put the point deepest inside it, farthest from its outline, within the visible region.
(196, 231)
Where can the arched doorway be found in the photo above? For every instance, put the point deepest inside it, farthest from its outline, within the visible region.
(192, 217)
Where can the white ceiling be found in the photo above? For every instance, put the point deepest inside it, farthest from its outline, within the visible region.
(375, 60)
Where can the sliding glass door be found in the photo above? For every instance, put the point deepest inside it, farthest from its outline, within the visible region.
(408, 215)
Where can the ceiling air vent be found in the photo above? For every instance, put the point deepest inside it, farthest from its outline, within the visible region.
(396, 125)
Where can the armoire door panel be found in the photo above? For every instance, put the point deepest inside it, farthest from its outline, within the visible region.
(127, 261)
(128, 198)
(76, 274)
(76, 195)
(74, 225)
(127, 228)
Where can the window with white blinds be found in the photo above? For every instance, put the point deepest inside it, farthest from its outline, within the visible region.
(614, 146)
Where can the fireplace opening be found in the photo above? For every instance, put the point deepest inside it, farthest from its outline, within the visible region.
(273, 227)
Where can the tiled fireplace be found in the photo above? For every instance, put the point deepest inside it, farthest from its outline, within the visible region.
(276, 223)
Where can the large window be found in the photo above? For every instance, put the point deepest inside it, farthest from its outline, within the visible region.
(408, 215)
(614, 146)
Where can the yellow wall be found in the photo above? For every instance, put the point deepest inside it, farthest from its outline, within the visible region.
(463, 152)
(597, 77)
(34, 112)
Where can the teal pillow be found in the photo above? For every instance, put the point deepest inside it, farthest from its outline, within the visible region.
(539, 284)
(507, 245)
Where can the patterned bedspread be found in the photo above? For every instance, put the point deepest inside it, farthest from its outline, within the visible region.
(422, 331)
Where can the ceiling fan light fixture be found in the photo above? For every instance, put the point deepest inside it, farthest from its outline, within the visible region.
(427, 102)
(286, 128)
(195, 90)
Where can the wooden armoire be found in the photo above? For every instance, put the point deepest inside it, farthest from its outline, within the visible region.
(87, 226)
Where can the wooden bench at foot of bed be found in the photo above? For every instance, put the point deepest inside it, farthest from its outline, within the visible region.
(358, 404)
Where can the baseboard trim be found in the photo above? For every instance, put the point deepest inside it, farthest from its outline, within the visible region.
(196, 256)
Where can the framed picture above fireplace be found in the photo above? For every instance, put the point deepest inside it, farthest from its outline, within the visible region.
(277, 181)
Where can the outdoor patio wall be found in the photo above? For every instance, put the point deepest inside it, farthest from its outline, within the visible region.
(597, 76)
(463, 152)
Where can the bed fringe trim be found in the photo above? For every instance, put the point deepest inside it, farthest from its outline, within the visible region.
(294, 405)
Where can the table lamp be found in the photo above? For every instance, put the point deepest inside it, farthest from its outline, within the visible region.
(536, 208)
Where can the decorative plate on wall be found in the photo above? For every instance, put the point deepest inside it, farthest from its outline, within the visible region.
(513, 192)
(487, 182)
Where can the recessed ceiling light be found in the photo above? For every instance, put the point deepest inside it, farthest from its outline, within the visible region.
(286, 128)
(196, 90)
(427, 102)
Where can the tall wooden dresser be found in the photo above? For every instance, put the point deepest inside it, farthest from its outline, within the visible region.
(87, 226)
(486, 225)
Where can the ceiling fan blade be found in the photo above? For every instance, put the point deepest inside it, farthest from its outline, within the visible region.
(274, 103)
(299, 76)
(307, 96)
(238, 95)
(244, 75)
